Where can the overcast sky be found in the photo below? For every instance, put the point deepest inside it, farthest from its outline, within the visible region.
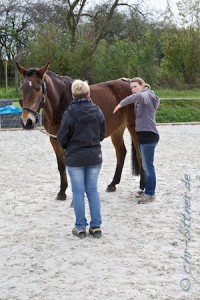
(162, 4)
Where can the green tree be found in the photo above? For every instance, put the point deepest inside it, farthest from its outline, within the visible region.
(181, 45)
(115, 60)
(48, 45)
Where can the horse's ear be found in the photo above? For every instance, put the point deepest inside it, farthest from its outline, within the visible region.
(21, 69)
(42, 70)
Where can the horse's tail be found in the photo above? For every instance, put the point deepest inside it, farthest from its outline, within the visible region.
(135, 163)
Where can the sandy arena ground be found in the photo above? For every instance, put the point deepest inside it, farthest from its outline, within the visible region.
(146, 252)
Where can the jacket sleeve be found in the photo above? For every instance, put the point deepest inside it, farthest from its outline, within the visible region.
(64, 132)
(138, 97)
(102, 125)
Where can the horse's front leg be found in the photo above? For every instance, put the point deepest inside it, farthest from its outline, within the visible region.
(61, 168)
(118, 142)
(63, 178)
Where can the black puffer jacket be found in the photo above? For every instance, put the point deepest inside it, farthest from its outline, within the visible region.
(81, 130)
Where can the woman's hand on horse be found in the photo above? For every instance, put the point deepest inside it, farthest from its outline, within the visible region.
(124, 79)
(116, 108)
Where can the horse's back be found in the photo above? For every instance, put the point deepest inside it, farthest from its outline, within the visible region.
(107, 95)
(113, 90)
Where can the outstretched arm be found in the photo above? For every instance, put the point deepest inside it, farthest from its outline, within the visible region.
(116, 108)
(137, 97)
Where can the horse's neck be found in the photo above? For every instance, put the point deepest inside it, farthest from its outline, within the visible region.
(58, 98)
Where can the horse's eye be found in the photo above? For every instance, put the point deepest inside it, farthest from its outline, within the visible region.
(37, 88)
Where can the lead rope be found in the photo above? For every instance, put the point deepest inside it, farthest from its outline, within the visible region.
(49, 134)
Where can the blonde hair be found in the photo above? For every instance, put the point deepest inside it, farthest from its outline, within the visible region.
(80, 88)
(140, 81)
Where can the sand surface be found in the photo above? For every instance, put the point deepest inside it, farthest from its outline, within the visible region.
(146, 252)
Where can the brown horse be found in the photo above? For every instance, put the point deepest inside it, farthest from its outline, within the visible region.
(43, 88)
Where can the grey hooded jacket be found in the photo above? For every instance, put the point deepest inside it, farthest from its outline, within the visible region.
(145, 106)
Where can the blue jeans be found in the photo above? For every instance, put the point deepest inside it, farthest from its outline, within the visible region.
(147, 154)
(84, 180)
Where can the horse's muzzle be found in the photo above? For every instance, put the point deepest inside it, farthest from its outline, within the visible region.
(28, 124)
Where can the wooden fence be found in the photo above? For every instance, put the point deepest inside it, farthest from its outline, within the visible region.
(9, 125)
(179, 99)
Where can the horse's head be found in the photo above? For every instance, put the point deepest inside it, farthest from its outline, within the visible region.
(33, 94)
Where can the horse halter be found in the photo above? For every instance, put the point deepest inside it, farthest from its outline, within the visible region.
(42, 102)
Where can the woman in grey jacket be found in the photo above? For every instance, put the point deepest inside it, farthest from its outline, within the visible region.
(145, 106)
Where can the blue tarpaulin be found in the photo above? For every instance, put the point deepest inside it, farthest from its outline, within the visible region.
(10, 109)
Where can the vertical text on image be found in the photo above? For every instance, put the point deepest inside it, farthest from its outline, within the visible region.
(186, 232)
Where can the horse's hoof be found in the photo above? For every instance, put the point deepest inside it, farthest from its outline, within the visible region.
(61, 197)
(111, 189)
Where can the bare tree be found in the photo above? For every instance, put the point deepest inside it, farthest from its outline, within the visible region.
(100, 16)
(15, 18)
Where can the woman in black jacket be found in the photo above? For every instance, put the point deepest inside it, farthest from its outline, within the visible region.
(81, 131)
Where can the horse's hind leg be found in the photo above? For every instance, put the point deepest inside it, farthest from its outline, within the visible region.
(61, 168)
(136, 158)
(118, 142)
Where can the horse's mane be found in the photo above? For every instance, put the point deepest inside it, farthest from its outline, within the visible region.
(32, 71)
(52, 74)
